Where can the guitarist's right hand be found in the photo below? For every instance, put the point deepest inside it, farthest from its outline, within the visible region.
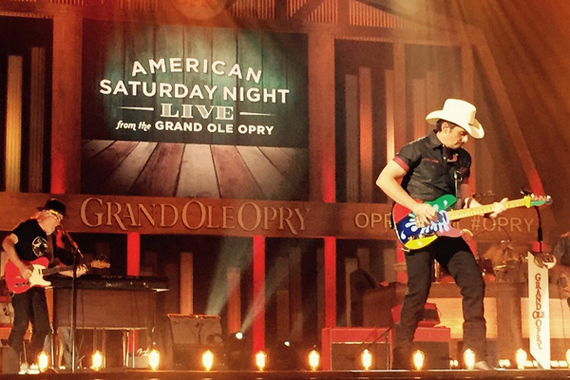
(26, 271)
(424, 213)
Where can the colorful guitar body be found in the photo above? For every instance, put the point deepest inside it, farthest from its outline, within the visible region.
(414, 237)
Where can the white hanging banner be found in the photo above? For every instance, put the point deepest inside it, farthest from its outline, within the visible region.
(539, 313)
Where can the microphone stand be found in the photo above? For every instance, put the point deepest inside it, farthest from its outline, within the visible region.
(76, 253)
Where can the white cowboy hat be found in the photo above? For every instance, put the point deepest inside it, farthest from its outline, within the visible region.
(461, 113)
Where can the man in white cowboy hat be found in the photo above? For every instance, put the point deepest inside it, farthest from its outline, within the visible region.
(424, 170)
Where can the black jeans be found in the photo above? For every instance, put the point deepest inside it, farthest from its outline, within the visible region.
(454, 255)
(30, 306)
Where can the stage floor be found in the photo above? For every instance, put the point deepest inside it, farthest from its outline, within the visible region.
(302, 375)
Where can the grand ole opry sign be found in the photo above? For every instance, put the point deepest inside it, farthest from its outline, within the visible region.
(231, 217)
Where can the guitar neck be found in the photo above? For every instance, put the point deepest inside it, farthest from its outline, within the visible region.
(482, 210)
(54, 270)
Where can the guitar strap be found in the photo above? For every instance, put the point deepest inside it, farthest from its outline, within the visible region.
(50, 254)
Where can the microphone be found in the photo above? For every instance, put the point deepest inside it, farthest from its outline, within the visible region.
(545, 260)
(71, 241)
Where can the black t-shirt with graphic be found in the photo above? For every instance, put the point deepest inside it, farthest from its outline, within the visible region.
(32, 240)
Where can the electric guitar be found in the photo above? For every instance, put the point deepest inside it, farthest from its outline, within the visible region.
(414, 237)
(17, 284)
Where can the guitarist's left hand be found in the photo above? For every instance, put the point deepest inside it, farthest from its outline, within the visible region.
(81, 270)
(499, 207)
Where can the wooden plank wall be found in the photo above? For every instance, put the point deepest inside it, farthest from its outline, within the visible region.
(36, 154)
(14, 123)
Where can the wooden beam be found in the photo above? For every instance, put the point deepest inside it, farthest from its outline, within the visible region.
(14, 95)
(511, 122)
(419, 107)
(366, 134)
(281, 10)
(66, 109)
(187, 283)
(37, 127)
(343, 12)
(352, 137)
(390, 115)
(329, 252)
(322, 117)
(258, 327)
(305, 11)
(400, 125)
(468, 94)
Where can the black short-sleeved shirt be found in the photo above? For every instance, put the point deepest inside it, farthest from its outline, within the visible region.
(431, 168)
(32, 240)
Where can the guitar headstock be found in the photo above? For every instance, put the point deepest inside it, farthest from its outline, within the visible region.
(99, 264)
(537, 200)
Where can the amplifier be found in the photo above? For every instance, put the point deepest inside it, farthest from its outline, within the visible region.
(195, 329)
(342, 347)
(191, 336)
(437, 354)
(10, 361)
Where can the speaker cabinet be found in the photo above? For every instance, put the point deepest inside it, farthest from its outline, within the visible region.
(342, 347)
(437, 354)
(10, 361)
(191, 336)
(195, 329)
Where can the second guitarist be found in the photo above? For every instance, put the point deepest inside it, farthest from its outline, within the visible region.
(30, 240)
(561, 272)
(425, 170)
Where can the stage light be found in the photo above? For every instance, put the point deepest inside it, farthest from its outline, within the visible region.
(154, 359)
(261, 360)
(366, 358)
(504, 363)
(287, 343)
(43, 361)
(521, 358)
(239, 335)
(563, 363)
(418, 358)
(314, 360)
(97, 360)
(208, 360)
(554, 364)
(453, 363)
(469, 359)
(568, 356)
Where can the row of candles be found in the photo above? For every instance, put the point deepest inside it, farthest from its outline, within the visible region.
(314, 360)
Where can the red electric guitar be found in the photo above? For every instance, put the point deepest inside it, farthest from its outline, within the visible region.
(17, 284)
